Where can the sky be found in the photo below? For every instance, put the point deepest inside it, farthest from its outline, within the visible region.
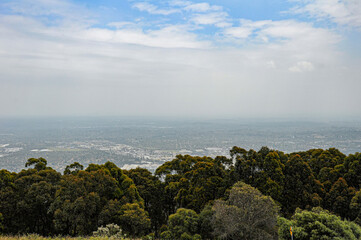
(219, 58)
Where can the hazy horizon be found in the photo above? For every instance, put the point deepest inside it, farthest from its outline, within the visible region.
(187, 118)
(149, 142)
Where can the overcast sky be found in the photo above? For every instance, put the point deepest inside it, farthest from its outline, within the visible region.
(220, 58)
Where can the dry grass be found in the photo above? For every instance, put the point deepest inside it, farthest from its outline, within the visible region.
(38, 237)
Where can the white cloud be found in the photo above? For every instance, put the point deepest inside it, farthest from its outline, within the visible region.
(152, 9)
(284, 42)
(202, 7)
(246, 23)
(195, 7)
(198, 13)
(344, 12)
(245, 29)
(284, 32)
(302, 66)
(238, 32)
(167, 70)
(121, 24)
(173, 36)
(290, 29)
(167, 37)
(180, 3)
(218, 19)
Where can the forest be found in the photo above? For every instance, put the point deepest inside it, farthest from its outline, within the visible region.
(264, 194)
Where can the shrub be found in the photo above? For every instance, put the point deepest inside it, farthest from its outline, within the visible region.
(110, 230)
(318, 224)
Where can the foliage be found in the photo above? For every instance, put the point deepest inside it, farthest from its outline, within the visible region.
(318, 224)
(355, 207)
(339, 198)
(43, 201)
(127, 191)
(182, 225)
(192, 182)
(151, 190)
(7, 204)
(352, 166)
(39, 163)
(134, 219)
(73, 168)
(302, 179)
(1, 222)
(247, 214)
(187, 189)
(205, 223)
(79, 201)
(300, 187)
(32, 195)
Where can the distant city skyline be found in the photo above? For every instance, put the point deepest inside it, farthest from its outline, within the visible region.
(216, 59)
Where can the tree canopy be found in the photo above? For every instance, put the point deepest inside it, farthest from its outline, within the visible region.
(191, 197)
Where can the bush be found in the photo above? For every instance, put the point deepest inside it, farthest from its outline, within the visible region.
(166, 235)
(317, 224)
(183, 223)
(110, 230)
(150, 236)
(197, 237)
(186, 236)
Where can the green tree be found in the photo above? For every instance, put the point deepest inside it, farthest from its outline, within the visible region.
(131, 217)
(86, 199)
(301, 189)
(246, 164)
(73, 168)
(192, 182)
(1, 223)
(355, 207)
(110, 213)
(37, 201)
(339, 198)
(352, 167)
(263, 169)
(328, 176)
(33, 195)
(126, 192)
(79, 201)
(317, 224)
(319, 159)
(270, 180)
(183, 224)
(247, 214)
(39, 163)
(151, 189)
(205, 222)
(134, 220)
(7, 200)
